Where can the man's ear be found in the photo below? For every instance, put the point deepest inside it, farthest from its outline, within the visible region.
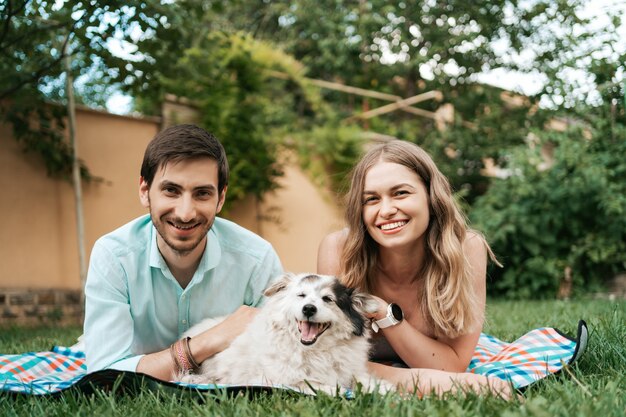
(144, 188)
(222, 199)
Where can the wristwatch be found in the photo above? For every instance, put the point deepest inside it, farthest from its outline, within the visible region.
(394, 316)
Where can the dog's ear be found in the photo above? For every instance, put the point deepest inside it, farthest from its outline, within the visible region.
(356, 305)
(363, 302)
(279, 284)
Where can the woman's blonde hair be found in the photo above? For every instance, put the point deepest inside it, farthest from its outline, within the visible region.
(448, 298)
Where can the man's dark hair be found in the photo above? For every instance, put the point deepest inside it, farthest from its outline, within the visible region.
(183, 142)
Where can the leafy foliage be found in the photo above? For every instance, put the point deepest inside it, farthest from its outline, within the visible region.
(243, 63)
(35, 38)
(572, 214)
(329, 152)
(228, 77)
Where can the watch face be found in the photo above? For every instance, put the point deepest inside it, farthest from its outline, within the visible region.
(396, 311)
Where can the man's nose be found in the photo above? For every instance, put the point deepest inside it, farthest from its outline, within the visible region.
(186, 209)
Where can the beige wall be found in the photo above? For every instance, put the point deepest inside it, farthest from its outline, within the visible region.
(294, 218)
(38, 246)
(38, 239)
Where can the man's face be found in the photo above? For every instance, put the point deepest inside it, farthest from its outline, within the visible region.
(183, 201)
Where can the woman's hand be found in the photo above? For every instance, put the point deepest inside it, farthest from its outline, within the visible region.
(381, 311)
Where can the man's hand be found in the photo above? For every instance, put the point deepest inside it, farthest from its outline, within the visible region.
(223, 334)
(202, 346)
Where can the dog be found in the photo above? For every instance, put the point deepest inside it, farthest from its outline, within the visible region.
(312, 335)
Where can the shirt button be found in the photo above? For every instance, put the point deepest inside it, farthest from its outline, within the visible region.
(184, 321)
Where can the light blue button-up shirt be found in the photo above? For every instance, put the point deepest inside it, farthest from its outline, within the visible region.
(135, 306)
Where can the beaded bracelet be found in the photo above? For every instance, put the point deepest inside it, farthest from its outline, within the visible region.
(177, 365)
(190, 359)
(182, 357)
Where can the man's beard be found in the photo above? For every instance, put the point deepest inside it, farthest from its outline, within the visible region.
(180, 248)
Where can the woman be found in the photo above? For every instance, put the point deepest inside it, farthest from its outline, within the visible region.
(408, 243)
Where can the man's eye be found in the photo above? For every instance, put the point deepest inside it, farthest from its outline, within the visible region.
(327, 299)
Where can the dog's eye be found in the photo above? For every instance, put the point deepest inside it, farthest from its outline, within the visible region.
(301, 295)
(327, 299)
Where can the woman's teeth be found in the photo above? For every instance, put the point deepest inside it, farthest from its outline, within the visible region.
(393, 225)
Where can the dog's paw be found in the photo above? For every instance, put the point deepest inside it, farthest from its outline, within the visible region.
(316, 389)
(195, 379)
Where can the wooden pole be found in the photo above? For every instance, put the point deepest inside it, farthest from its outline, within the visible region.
(76, 177)
(399, 105)
(399, 102)
(339, 87)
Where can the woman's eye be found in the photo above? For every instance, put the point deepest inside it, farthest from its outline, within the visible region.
(369, 200)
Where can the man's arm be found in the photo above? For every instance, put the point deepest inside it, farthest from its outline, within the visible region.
(161, 365)
(108, 327)
(214, 340)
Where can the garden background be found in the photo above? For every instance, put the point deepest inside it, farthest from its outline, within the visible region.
(540, 170)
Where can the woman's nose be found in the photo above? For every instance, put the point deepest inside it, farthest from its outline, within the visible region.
(387, 207)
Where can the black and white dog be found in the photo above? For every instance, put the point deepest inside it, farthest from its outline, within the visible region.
(311, 333)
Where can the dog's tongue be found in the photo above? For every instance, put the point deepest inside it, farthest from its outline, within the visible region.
(308, 330)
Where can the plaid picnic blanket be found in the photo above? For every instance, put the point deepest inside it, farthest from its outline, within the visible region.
(533, 356)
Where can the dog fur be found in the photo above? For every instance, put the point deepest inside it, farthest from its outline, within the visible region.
(311, 334)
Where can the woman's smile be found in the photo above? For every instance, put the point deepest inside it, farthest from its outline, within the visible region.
(393, 227)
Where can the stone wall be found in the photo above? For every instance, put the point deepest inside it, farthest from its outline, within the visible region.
(40, 306)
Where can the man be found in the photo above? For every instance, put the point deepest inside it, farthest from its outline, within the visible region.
(155, 277)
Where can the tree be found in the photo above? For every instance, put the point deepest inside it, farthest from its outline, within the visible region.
(229, 78)
(408, 47)
(568, 216)
(35, 36)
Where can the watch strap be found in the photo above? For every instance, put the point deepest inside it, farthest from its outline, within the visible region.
(388, 321)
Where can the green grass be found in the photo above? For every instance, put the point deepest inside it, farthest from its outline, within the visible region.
(595, 386)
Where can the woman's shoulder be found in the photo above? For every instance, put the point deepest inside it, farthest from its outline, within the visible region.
(329, 252)
(336, 239)
(476, 245)
(474, 240)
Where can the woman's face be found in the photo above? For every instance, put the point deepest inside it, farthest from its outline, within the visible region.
(395, 206)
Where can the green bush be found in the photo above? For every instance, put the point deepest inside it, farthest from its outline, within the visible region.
(541, 221)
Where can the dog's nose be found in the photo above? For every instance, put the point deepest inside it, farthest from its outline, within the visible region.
(309, 310)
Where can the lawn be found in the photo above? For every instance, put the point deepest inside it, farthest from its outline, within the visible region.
(595, 386)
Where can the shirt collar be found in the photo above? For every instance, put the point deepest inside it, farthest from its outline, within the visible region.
(212, 253)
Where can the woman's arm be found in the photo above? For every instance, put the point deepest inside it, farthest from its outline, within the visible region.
(418, 350)
(431, 381)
